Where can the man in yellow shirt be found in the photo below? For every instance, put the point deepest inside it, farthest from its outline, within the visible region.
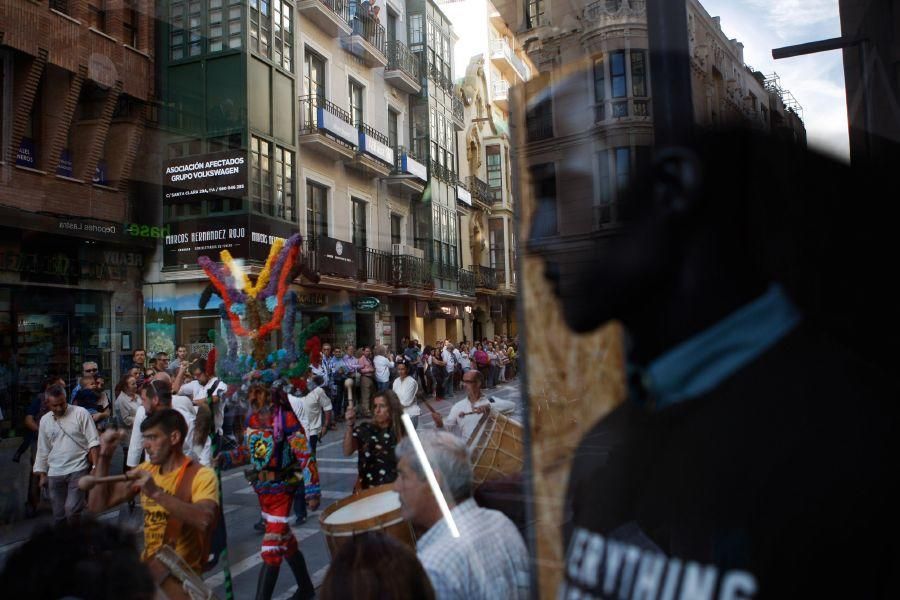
(157, 480)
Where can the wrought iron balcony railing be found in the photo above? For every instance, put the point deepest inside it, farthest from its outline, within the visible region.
(374, 264)
(365, 24)
(467, 282)
(410, 271)
(485, 277)
(480, 189)
(400, 58)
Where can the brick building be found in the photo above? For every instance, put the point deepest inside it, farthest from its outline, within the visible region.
(76, 78)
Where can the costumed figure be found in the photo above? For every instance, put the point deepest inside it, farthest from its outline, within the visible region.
(275, 444)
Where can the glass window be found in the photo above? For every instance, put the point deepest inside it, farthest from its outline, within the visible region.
(415, 29)
(638, 72)
(359, 223)
(393, 132)
(316, 210)
(534, 13)
(396, 227)
(599, 89)
(617, 74)
(356, 103)
(623, 168)
(494, 172)
(261, 176)
(284, 184)
(314, 75)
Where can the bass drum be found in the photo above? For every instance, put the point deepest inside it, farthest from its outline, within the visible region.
(497, 447)
(374, 509)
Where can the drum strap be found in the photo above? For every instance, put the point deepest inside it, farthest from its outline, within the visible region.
(183, 484)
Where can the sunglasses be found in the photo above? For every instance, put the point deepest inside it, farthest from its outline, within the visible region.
(90, 370)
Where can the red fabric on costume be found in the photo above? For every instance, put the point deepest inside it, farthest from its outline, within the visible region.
(279, 541)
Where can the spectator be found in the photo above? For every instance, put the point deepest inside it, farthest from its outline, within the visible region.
(161, 361)
(482, 361)
(67, 447)
(373, 566)
(407, 389)
(366, 381)
(202, 388)
(88, 369)
(438, 373)
(127, 405)
(449, 360)
(37, 409)
(488, 559)
(180, 357)
(382, 363)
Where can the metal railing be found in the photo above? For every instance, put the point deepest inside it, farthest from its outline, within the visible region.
(480, 189)
(373, 264)
(485, 277)
(500, 89)
(410, 271)
(539, 126)
(339, 7)
(614, 8)
(467, 282)
(456, 103)
(309, 118)
(445, 271)
(401, 59)
(310, 254)
(443, 173)
(374, 133)
(501, 46)
(366, 25)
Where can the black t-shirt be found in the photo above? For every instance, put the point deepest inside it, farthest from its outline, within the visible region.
(778, 483)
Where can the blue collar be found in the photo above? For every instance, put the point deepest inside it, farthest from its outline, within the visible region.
(702, 362)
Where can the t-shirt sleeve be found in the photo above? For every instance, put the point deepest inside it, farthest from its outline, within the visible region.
(325, 400)
(205, 486)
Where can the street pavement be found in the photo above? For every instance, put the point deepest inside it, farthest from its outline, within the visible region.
(337, 477)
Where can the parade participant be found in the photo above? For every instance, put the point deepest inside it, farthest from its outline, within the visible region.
(465, 414)
(366, 381)
(179, 497)
(488, 559)
(66, 449)
(375, 440)
(278, 451)
(375, 566)
(314, 410)
(36, 410)
(406, 388)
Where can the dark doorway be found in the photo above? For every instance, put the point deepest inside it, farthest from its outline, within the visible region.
(365, 329)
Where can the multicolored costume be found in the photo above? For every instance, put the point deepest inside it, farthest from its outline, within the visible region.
(278, 453)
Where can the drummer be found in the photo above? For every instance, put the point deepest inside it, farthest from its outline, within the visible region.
(465, 414)
(375, 440)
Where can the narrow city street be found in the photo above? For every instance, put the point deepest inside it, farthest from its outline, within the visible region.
(337, 473)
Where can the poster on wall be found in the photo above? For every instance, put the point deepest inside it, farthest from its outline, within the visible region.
(244, 236)
(337, 257)
(192, 179)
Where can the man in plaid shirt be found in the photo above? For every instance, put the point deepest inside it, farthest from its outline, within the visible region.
(489, 558)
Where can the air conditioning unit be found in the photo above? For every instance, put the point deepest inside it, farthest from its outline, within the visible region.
(404, 250)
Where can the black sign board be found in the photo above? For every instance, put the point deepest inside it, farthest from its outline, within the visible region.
(336, 257)
(244, 236)
(192, 179)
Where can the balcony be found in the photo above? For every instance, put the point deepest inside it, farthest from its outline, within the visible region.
(505, 59)
(409, 175)
(374, 265)
(485, 278)
(500, 94)
(375, 156)
(367, 40)
(467, 282)
(459, 111)
(410, 272)
(328, 129)
(402, 70)
(331, 16)
(480, 190)
(443, 173)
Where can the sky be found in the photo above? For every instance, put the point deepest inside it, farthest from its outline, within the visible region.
(815, 80)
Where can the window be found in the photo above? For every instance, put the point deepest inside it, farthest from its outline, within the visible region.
(534, 13)
(359, 223)
(393, 130)
(224, 25)
(602, 210)
(599, 89)
(391, 26)
(314, 75)
(396, 228)
(261, 176)
(494, 172)
(356, 103)
(638, 73)
(177, 39)
(284, 184)
(282, 34)
(97, 14)
(195, 26)
(617, 74)
(260, 27)
(543, 181)
(130, 24)
(615, 169)
(316, 210)
(623, 168)
(497, 248)
(415, 29)
(539, 111)
(60, 5)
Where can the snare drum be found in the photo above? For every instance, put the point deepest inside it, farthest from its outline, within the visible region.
(497, 446)
(374, 509)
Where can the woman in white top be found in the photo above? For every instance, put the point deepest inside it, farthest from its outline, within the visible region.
(465, 360)
(406, 389)
(126, 405)
(382, 368)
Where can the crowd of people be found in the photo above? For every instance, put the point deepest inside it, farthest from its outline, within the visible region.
(167, 421)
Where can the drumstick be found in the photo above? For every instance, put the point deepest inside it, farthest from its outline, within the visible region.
(431, 408)
(89, 481)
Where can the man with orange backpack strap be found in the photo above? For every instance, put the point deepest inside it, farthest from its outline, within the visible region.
(180, 497)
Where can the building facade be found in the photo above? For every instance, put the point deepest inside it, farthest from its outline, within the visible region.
(74, 238)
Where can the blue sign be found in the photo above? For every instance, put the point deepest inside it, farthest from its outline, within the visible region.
(64, 168)
(26, 156)
(100, 173)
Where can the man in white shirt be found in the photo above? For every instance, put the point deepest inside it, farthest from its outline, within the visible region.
(448, 357)
(406, 388)
(156, 395)
(312, 409)
(202, 387)
(67, 449)
(465, 414)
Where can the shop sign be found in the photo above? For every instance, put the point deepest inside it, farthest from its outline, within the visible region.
(60, 265)
(312, 299)
(199, 177)
(64, 168)
(100, 176)
(367, 303)
(244, 236)
(336, 257)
